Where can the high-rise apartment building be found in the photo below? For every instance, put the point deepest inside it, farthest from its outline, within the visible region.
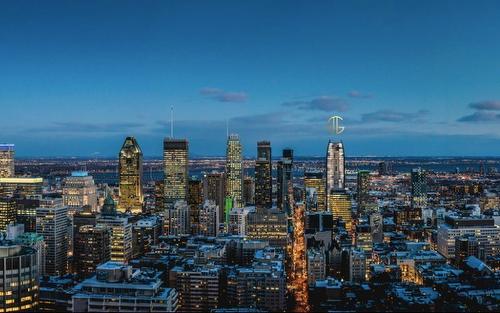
(6, 160)
(209, 219)
(234, 170)
(52, 222)
(120, 231)
(91, 248)
(175, 166)
(285, 180)
(130, 177)
(79, 190)
(335, 168)
(263, 176)
(418, 188)
(176, 220)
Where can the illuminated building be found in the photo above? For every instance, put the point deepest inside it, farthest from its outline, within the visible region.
(363, 189)
(175, 166)
(121, 231)
(198, 288)
(176, 219)
(335, 167)
(268, 225)
(52, 222)
(238, 219)
(6, 160)
(263, 176)
(130, 177)
(339, 203)
(209, 219)
(20, 286)
(21, 187)
(234, 170)
(316, 266)
(145, 234)
(35, 241)
(249, 190)
(356, 265)
(285, 180)
(418, 189)
(118, 287)
(159, 196)
(315, 191)
(91, 248)
(195, 201)
(7, 212)
(79, 190)
(26, 213)
(482, 228)
(214, 189)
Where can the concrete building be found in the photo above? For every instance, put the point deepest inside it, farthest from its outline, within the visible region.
(79, 190)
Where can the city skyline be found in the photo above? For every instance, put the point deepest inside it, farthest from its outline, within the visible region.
(406, 82)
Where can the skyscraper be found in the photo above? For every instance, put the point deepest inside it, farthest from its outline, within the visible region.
(418, 188)
(263, 176)
(339, 203)
(79, 190)
(284, 180)
(234, 170)
(363, 186)
(315, 191)
(175, 166)
(7, 212)
(6, 160)
(91, 248)
(335, 166)
(130, 171)
(195, 201)
(214, 189)
(52, 222)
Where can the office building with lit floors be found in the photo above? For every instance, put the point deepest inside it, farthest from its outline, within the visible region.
(18, 278)
(117, 287)
(234, 170)
(120, 231)
(7, 160)
(284, 184)
(268, 225)
(7, 212)
(339, 204)
(214, 189)
(21, 187)
(130, 177)
(176, 220)
(79, 190)
(91, 248)
(52, 222)
(315, 195)
(263, 176)
(418, 188)
(175, 166)
(335, 167)
(209, 219)
(198, 287)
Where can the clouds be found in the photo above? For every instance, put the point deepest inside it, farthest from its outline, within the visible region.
(86, 128)
(221, 95)
(393, 116)
(485, 112)
(358, 95)
(322, 103)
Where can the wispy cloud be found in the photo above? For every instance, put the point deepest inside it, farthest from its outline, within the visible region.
(393, 116)
(359, 95)
(78, 127)
(481, 116)
(488, 105)
(221, 95)
(323, 103)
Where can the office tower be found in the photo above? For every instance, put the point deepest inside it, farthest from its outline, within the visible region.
(209, 219)
(198, 288)
(175, 166)
(214, 189)
(7, 212)
(52, 222)
(318, 222)
(418, 188)
(263, 176)
(363, 189)
(269, 225)
(176, 219)
(238, 219)
(285, 180)
(121, 231)
(234, 170)
(6, 160)
(249, 191)
(335, 167)
(483, 228)
(195, 201)
(91, 247)
(383, 168)
(146, 233)
(21, 187)
(130, 177)
(34, 241)
(377, 227)
(466, 246)
(316, 266)
(159, 196)
(20, 285)
(117, 287)
(315, 191)
(79, 190)
(339, 203)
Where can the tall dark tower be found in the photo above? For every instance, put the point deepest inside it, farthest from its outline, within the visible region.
(285, 178)
(418, 188)
(263, 176)
(175, 166)
(130, 180)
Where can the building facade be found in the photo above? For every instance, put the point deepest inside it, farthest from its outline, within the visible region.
(130, 177)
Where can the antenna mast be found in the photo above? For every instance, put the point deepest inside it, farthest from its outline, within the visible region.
(172, 121)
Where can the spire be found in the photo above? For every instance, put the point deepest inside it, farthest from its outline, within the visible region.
(172, 121)
(227, 128)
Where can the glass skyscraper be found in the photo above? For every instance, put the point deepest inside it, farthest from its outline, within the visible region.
(284, 181)
(234, 170)
(130, 180)
(6, 160)
(175, 166)
(263, 176)
(335, 168)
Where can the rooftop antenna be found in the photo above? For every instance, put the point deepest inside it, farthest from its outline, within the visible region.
(227, 128)
(172, 121)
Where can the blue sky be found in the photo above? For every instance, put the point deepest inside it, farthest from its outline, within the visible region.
(409, 77)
